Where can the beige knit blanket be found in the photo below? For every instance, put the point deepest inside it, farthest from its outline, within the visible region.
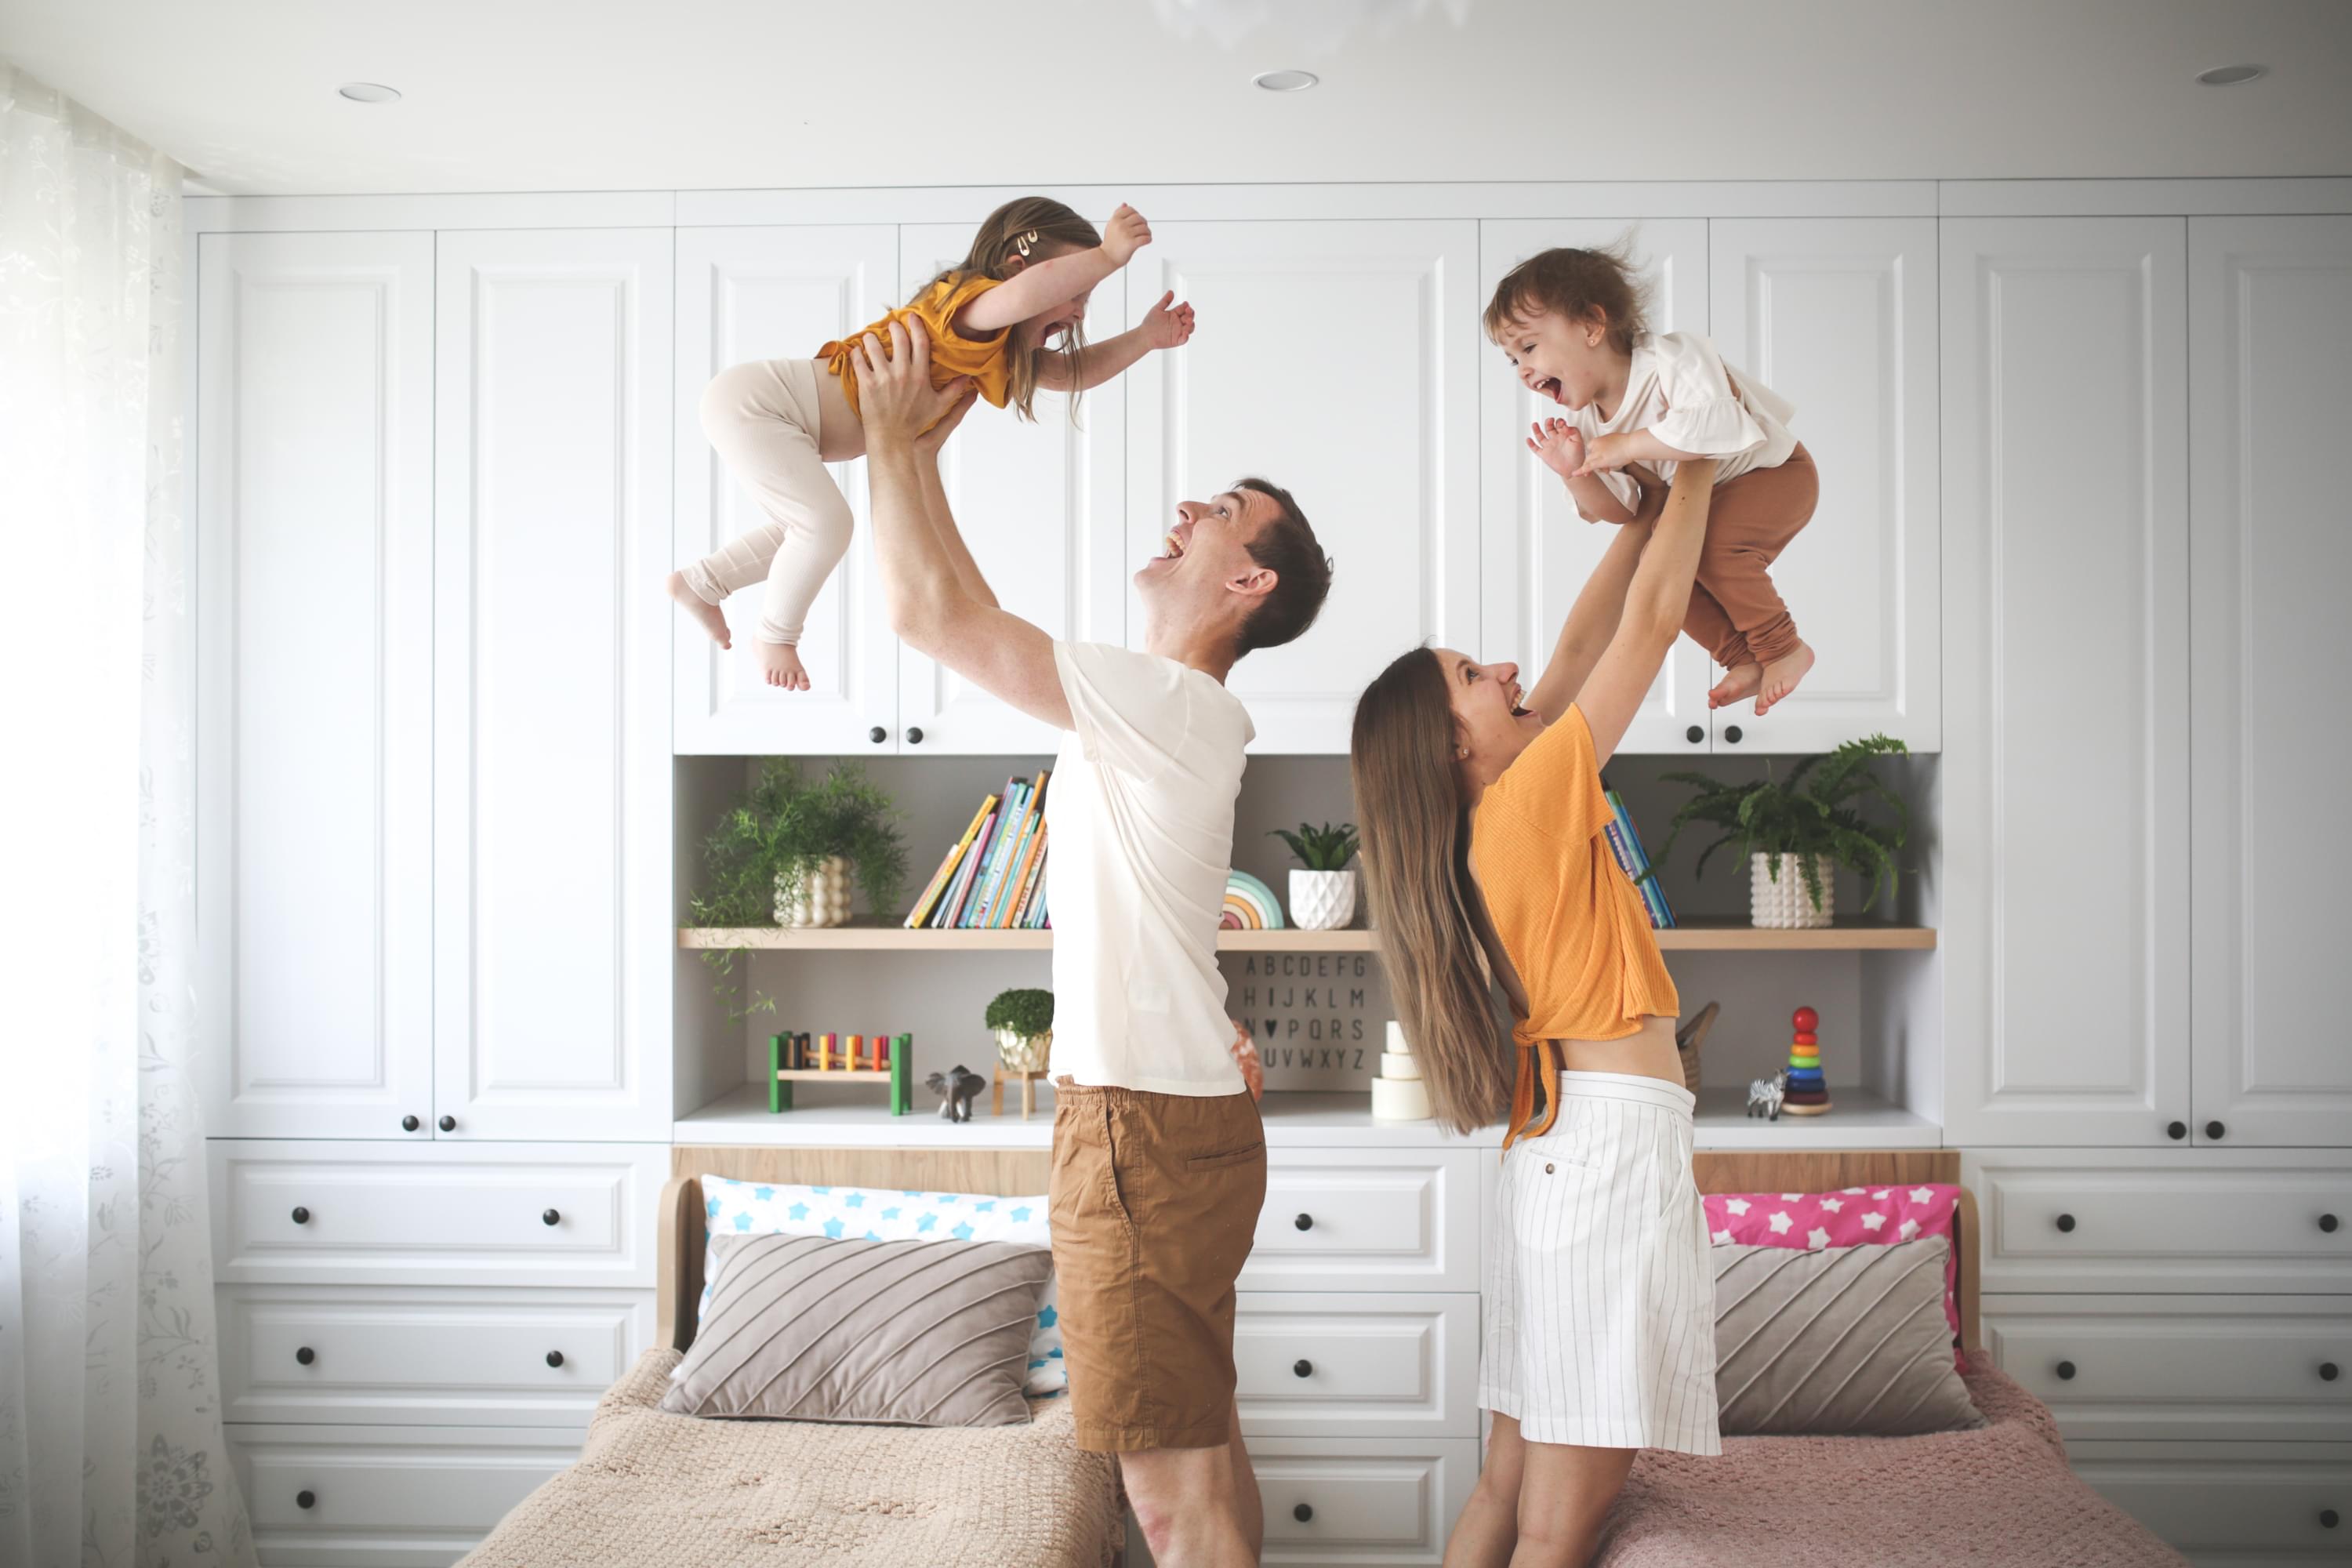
(653, 1491)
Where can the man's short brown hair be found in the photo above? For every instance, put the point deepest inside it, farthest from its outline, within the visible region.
(1302, 573)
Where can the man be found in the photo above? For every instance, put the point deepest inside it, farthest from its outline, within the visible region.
(1158, 1156)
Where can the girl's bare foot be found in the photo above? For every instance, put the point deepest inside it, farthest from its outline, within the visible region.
(1780, 676)
(1740, 680)
(782, 661)
(712, 618)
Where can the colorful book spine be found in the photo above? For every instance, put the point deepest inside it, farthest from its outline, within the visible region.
(948, 868)
(1000, 856)
(1024, 855)
(1662, 916)
(945, 914)
(992, 853)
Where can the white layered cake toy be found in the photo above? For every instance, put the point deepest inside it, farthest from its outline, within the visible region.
(1398, 1094)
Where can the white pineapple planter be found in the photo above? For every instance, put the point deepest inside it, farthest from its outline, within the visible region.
(821, 898)
(1785, 904)
(1322, 900)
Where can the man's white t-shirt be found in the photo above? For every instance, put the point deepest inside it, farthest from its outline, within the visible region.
(1140, 833)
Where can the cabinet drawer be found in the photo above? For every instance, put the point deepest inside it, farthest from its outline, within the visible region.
(1365, 1220)
(2204, 1220)
(2171, 1366)
(1365, 1501)
(2228, 1503)
(345, 1354)
(1390, 1365)
(434, 1214)
(411, 1497)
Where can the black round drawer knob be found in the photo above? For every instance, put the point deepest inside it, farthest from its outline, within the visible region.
(301, 1215)
(1694, 734)
(2177, 1130)
(877, 734)
(410, 1124)
(1304, 1222)
(2327, 1223)
(914, 736)
(447, 1124)
(305, 1355)
(1302, 1367)
(2329, 1372)
(2065, 1222)
(1304, 1512)
(555, 1358)
(1732, 732)
(305, 1498)
(548, 1217)
(2065, 1372)
(2213, 1129)
(2329, 1518)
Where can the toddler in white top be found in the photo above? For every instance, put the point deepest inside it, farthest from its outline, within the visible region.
(1639, 402)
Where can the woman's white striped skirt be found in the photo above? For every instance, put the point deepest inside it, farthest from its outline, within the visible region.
(1599, 1296)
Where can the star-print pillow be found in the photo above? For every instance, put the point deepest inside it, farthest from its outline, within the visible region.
(1854, 1216)
(774, 1208)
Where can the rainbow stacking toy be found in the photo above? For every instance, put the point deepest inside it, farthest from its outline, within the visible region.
(1809, 1092)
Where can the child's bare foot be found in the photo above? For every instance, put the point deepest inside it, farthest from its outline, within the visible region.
(1740, 680)
(712, 618)
(1780, 676)
(782, 661)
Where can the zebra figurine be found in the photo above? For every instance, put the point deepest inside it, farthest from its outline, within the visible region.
(1764, 1095)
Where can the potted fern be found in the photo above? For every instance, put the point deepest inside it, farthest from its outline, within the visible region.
(1796, 830)
(1323, 892)
(1022, 1022)
(786, 853)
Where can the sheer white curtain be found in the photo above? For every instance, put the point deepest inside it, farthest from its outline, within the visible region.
(111, 1449)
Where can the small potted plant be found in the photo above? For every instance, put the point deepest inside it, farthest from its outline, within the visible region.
(1022, 1022)
(1797, 831)
(785, 854)
(1323, 894)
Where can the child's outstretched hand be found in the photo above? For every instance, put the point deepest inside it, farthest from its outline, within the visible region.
(1604, 454)
(1559, 444)
(1126, 234)
(1168, 325)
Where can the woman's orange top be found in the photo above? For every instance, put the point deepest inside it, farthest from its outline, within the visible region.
(1567, 914)
(952, 354)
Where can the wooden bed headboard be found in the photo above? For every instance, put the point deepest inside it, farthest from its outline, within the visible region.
(1007, 1172)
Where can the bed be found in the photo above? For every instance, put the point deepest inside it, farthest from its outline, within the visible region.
(655, 1490)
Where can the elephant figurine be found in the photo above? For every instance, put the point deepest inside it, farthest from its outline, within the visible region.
(957, 1088)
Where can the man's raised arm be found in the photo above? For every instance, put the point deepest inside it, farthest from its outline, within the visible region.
(932, 608)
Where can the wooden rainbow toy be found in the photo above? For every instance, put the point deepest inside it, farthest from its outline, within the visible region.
(1250, 905)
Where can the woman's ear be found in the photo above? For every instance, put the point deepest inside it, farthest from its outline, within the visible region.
(1013, 263)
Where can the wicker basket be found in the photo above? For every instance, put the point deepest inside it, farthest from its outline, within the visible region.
(1689, 1037)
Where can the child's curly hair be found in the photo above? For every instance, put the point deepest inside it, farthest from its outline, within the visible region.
(1577, 284)
(1044, 224)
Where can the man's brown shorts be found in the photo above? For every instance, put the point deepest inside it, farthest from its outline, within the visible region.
(1154, 1200)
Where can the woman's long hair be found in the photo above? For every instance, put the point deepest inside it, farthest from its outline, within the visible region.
(1043, 225)
(1433, 924)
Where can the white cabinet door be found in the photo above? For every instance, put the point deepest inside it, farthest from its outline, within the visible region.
(1536, 550)
(778, 293)
(2065, 819)
(552, 821)
(1838, 316)
(2271, 343)
(1338, 360)
(1042, 506)
(314, 517)
(385, 1497)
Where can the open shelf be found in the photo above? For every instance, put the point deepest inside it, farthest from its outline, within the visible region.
(1694, 936)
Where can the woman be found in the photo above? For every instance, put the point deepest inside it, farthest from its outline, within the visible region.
(1483, 817)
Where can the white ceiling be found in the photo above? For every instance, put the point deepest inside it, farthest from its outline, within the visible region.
(614, 95)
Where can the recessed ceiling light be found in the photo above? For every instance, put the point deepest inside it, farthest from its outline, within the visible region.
(1286, 81)
(369, 92)
(2231, 76)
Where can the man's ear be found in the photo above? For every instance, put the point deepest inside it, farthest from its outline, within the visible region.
(1255, 583)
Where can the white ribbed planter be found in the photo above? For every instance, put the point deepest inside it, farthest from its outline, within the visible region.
(1322, 900)
(819, 899)
(1785, 904)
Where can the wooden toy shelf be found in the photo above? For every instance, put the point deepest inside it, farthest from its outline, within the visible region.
(1694, 936)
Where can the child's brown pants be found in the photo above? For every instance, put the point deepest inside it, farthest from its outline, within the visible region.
(1735, 612)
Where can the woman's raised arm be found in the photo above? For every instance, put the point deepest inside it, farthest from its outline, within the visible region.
(1599, 606)
(1655, 607)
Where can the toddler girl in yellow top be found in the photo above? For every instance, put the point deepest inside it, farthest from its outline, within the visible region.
(1011, 317)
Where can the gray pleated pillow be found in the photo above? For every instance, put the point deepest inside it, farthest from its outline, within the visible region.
(904, 1334)
(1839, 1341)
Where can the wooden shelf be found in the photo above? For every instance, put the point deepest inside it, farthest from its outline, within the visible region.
(1699, 936)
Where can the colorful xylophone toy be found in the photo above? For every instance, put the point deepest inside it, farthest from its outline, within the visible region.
(1809, 1092)
(872, 1059)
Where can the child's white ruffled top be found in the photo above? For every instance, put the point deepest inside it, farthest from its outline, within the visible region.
(1681, 391)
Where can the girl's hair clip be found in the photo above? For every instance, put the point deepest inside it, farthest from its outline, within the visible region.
(1022, 242)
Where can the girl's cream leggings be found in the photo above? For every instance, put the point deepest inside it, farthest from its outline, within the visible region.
(762, 419)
